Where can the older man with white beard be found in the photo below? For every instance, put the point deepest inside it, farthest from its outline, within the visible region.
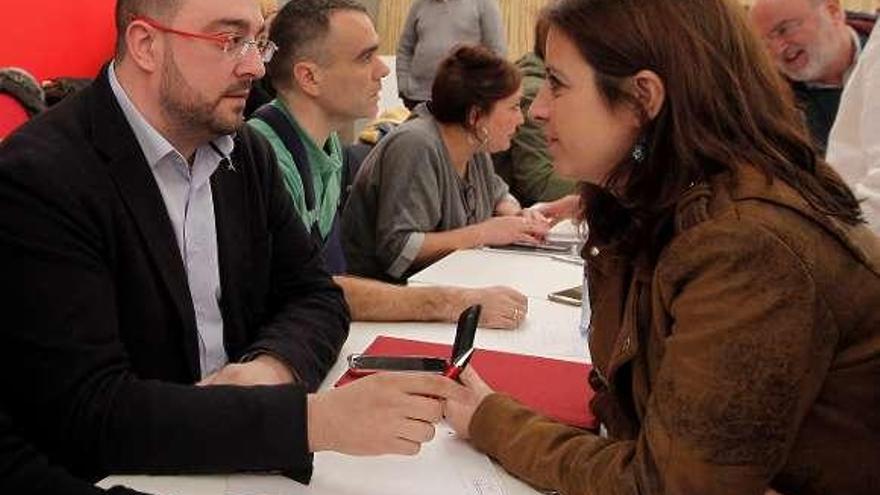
(814, 48)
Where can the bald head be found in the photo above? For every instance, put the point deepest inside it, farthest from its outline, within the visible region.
(807, 39)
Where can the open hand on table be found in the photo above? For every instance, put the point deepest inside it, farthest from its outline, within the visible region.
(503, 307)
(499, 231)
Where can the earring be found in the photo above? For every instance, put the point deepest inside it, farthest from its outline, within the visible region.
(483, 136)
(639, 151)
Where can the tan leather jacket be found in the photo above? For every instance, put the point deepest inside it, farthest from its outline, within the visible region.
(748, 357)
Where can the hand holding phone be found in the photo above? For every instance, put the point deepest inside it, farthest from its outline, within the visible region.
(364, 364)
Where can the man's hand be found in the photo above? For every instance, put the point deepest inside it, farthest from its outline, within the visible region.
(459, 410)
(503, 307)
(264, 370)
(385, 413)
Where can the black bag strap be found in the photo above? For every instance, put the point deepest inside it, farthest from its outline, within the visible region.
(275, 118)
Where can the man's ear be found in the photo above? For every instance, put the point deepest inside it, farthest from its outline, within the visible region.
(835, 10)
(307, 75)
(142, 46)
(650, 91)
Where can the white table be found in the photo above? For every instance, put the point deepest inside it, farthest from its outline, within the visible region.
(549, 330)
(533, 275)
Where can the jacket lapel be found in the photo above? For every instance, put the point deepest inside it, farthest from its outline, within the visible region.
(230, 210)
(140, 193)
(608, 276)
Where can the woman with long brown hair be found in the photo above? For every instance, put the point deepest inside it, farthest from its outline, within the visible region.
(735, 334)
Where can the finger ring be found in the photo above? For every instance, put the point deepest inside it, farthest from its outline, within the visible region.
(515, 313)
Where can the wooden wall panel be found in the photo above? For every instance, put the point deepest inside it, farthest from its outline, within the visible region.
(518, 17)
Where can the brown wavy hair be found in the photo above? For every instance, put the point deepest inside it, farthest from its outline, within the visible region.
(726, 106)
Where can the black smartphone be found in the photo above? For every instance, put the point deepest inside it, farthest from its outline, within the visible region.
(362, 364)
(465, 331)
(547, 247)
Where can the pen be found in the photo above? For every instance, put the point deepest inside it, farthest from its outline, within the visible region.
(458, 366)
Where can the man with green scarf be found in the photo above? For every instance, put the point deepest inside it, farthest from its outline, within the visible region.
(327, 73)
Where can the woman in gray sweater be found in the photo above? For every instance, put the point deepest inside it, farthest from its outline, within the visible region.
(429, 187)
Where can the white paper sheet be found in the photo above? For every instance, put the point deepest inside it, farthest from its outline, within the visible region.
(445, 466)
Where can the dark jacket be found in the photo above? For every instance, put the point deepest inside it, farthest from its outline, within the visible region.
(99, 330)
(748, 356)
(24, 471)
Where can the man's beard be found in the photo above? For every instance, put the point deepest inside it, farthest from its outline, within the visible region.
(820, 54)
(191, 111)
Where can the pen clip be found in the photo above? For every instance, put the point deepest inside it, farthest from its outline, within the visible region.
(458, 366)
(462, 361)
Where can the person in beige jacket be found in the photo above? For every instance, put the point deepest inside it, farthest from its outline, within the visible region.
(735, 289)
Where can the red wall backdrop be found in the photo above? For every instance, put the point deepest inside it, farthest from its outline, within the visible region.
(51, 38)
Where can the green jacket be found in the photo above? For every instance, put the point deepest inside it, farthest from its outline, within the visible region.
(526, 166)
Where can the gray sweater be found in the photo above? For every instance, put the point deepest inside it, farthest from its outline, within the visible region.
(407, 187)
(432, 28)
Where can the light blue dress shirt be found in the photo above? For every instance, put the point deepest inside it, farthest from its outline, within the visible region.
(186, 191)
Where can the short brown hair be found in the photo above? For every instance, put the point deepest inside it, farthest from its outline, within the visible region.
(162, 10)
(296, 28)
(471, 77)
(725, 106)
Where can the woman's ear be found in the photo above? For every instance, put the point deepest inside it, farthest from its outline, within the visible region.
(650, 91)
(473, 117)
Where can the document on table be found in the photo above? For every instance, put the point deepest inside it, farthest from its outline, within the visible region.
(550, 329)
(445, 466)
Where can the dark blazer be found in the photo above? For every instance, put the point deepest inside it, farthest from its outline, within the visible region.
(98, 328)
(24, 471)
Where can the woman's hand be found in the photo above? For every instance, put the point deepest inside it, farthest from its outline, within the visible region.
(499, 231)
(561, 209)
(459, 411)
(536, 215)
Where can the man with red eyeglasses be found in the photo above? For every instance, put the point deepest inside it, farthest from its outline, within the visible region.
(164, 310)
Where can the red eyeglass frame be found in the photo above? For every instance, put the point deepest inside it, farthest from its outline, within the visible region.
(221, 39)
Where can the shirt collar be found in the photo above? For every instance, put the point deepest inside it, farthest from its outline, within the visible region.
(857, 52)
(153, 145)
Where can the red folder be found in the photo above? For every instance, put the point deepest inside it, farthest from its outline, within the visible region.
(555, 388)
